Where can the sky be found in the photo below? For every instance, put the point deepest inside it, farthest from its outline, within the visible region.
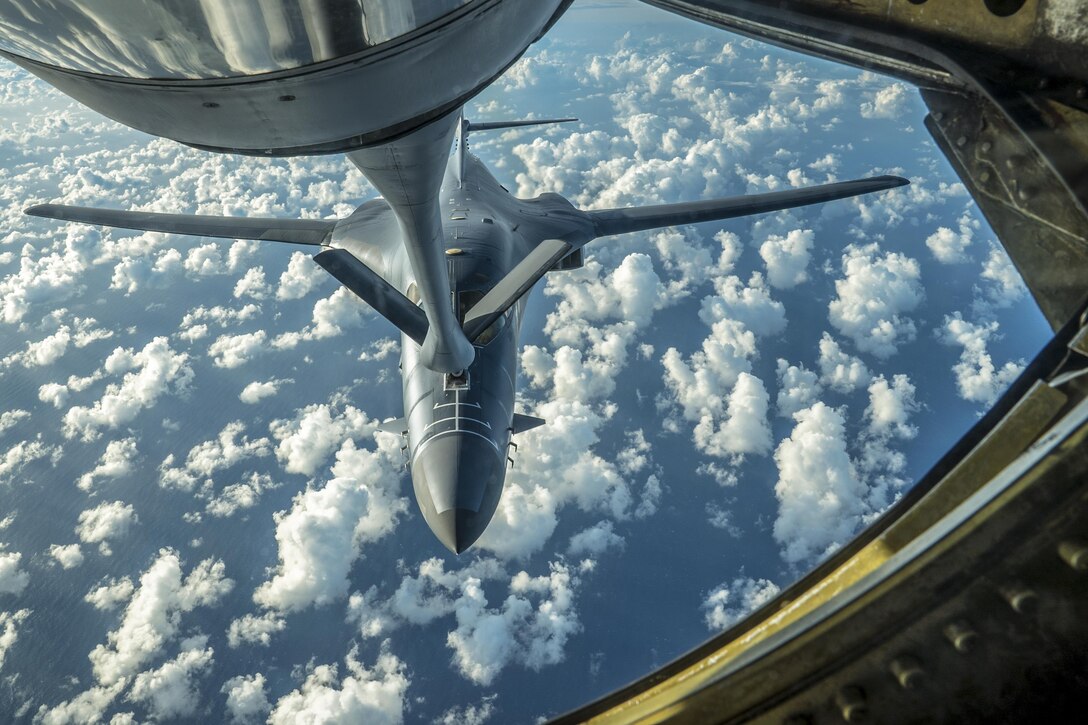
(200, 521)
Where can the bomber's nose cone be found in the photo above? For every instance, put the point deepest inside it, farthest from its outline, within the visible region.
(458, 479)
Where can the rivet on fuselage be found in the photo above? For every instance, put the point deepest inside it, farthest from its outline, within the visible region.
(851, 703)
(962, 637)
(907, 671)
(1075, 554)
(1021, 599)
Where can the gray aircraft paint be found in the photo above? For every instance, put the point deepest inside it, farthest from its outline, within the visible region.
(449, 244)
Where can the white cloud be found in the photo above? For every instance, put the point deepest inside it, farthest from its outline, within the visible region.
(153, 614)
(798, 388)
(205, 260)
(326, 527)
(890, 406)
(469, 714)
(229, 448)
(170, 691)
(104, 523)
(13, 580)
(787, 257)
(873, 299)
(251, 629)
(374, 695)
(68, 556)
(820, 498)
(11, 418)
(978, 379)
(110, 593)
(306, 442)
(22, 453)
(751, 305)
(950, 246)
(595, 540)
(242, 495)
(1002, 285)
(487, 639)
(246, 698)
(116, 461)
(839, 370)
(150, 373)
(258, 391)
(252, 284)
(9, 631)
(301, 277)
(232, 351)
(888, 102)
(332, 316)
(41, 280)
(729, 603)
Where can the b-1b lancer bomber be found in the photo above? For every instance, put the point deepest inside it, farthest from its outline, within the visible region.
(449, 256)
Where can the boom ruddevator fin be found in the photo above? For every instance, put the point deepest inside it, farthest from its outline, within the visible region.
(472, 126)
(523, 423)
(636, 219)
(375, 291)
(510, 288)
(295, 231)
(395, 425)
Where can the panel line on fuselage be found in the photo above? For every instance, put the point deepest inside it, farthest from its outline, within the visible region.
(436, 436)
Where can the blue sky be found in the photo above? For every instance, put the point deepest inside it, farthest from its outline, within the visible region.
(200, 520)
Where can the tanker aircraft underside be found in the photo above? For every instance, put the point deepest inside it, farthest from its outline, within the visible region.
(448, 256)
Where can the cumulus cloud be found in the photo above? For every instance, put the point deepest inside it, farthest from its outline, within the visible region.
(951, 246)
(9, 631)
(11, 418)
(13, 580)
(232, 351)
(978, 378)
(252, 284)
(595, 540)
(798, 388)
(68, 556)
(787, 257)
(258, 390)
(820, 497)
(729, 603)
(170, 691)
(469, 714)
(374, 695)
(887, 102)
(487, 639)
(1001, 286)
(873, 299)
(300, 278)
(838, 370)
(239, 496)
(326, 527)
(246, 698)
(16, 458)
(252, 629)
(726, 425)
(110, 593)
(229, 448)
(751, 305)
(154, 371)
(153, 614)
(116, 461)
(104, 523)
(307, 440)
(890, 406)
